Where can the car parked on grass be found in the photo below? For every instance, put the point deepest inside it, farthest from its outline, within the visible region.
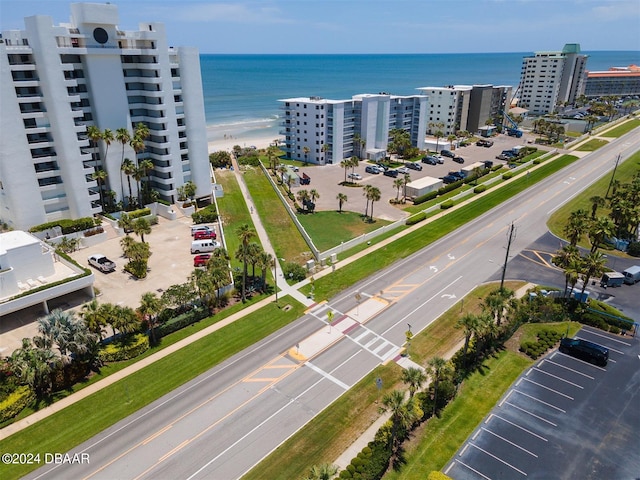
(447, 153)
(414, 166)
(391, 173)
(201, 260)
(205, 235)
(355, 176)
(372, 169)
(458, 159)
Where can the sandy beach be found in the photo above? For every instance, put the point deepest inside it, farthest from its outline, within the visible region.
(229, 143)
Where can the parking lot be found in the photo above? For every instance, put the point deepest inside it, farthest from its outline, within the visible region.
(326, 179)
(563, 418)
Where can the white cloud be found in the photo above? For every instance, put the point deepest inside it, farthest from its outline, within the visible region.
(230, 13)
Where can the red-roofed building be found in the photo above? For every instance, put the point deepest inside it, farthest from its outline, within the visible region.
(622, 81)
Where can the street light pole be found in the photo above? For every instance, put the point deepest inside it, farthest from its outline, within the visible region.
(275, 278)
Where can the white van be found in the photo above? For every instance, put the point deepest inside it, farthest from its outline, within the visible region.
(202, 246)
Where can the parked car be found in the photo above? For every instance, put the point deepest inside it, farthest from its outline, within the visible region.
(484, 143)
(447, 153)
(355, 176)
(391, 173)
(588, 351)
(381, 168)
(458, 159)
(205, 235)
(102, 263)
(429, 160)
(200, 228)
(458, 175)
(449, 179)
(414, 166)
(372, 169)
(201, 260)
(403, 170)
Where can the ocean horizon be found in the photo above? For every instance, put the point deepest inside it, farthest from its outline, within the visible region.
(241, 91)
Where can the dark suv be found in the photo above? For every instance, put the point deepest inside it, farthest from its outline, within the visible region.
(391, 173)
(588, 351)
(447, 153)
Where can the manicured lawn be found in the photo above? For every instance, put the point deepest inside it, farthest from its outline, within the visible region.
(285, 237)
(624, 173)
(442, 436)
(328, 228)
(86, 418)
(591, 145)
(622, 129)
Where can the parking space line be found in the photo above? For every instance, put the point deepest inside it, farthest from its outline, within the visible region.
(567, 368)
(610, 349)
(510, 442)
(581, 361)
(541, 401)
(518, 426)
(532, 414)
(470, 468)
(558, 378)
(506, 397)
(499, 459)
(597, 334)
(549, 388)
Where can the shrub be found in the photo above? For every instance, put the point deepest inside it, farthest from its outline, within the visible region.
(447, 188)
(634, 249)
(417, 218)
(15, 402)
(507, 176)
(480, 189)
(141, 212)
(446, 205)
(293, 271)
(93, 231)
(207, 214)
(252, 160)
(181, 321)
(130, 347)
(425, 198)
(67, 226)
(137, 268)
(438, 476)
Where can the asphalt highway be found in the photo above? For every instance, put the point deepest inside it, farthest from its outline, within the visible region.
(221, 424)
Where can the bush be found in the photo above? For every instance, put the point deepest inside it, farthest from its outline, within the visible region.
(507, 176)
(446, 205)
(15, 402)
(634, 249)
(252, 160)
(480, 189)
(141, 212)
(67, 226)
(417, 218)
(220, 159)
(137, 268)
(93, 231)
(130, 347)
(207, 214)
(447, 188)
(181, 321)
(425, 198)
(293, 271)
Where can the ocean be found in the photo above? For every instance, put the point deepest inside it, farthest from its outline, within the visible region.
(241, 92)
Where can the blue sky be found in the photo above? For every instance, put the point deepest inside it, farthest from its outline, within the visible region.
(370, 26)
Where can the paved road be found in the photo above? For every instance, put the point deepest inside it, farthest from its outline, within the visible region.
(221, 424)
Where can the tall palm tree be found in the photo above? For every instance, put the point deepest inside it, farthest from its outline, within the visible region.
(33, 366)
(365, 193)
(601, 228)
(313, 196)
(469, 322)
(306, 151)
(265, 262)
(94, 134)
(346, 164)
(342, 199)
(123, 136)
(398, 183)
(414, 378)
(436, 367)
(100, 176)
(402, 417)
(124, 320)
(303, 197)
(245, 233)
(567, 258)
(406, 180)
(496, 302)
(593, 266)
(353, 163)
(107, 137)
(577, 226)
(129, 169)
(150, 307)
(93, 317)
(374, 196)
(253, 257)
(146, 167)
(141, 227)
(596, 202)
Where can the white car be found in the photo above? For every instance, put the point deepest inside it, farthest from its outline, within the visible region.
(355, 176)
(403, 170)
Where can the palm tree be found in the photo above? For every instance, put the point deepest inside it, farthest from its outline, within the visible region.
(346, 164)
(282, 170)
(577, 226)
(107, 137)
(146, 166)
(496, 301)
(601, 228)
(265, 262)
(141, 227)
(596, 201)
(406, 179)
(128, 168)
(94, 134)
(150, 307)
(414, 377)
(353, 163)
(398, 183)
(324, 471)
(470, 323)
(593, 266)
(126, 224)
(374, 196)
(303, 197)
(253, 257)
(402, 417)
(122, 136)
(33, 366)
(69, 333)
(436, 368)
(245, 234)
(567, 258)
(365, 193)
(100, 176)
(342, 199)
(313, 196)
(93, 317)
(306, 151)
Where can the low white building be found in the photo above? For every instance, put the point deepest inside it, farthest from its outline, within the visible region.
(469, 169)
(422, 186)
(31, 273)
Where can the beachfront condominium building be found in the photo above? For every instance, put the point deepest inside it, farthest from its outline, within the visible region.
(57, 81)
(620, 81)
(550, 79)
(447, 109)
(321, 131)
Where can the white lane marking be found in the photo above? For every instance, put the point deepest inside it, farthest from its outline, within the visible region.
(558, 378)
(607, 337)
(327, 375)
(541, 401)
(471, 468)
(568, 368)
(610, 349)
(499, 459)
(548, 388)
(520, 427)
(582, 361)
(509, 442)
(532, 414)
(506, 397)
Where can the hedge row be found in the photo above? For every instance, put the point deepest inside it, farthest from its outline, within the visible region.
(425, 198)
(480, 189)
(67, 226)
(181, 321)
(446, 205)
(141, 212)
(133, 346)
(417, 218)
(207, 214)
(508, 175)
(546, 339)
(15, 402)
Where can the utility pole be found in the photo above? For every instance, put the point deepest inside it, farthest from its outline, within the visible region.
(506, 258)
(612, 176)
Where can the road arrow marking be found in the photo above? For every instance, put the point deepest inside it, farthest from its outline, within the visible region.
(451, 257)
(451, 295)
(433, 269)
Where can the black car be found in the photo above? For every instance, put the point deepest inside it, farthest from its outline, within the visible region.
(391, 173)
(449, 179)
(429, 160)
(447, 153)
(458, 159)
(484, 143)
(588, 351)
(458, 175)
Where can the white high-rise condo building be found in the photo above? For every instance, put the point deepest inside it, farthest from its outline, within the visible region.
(321, 131)
(548, 79)
(448, 108)
(57, 81)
